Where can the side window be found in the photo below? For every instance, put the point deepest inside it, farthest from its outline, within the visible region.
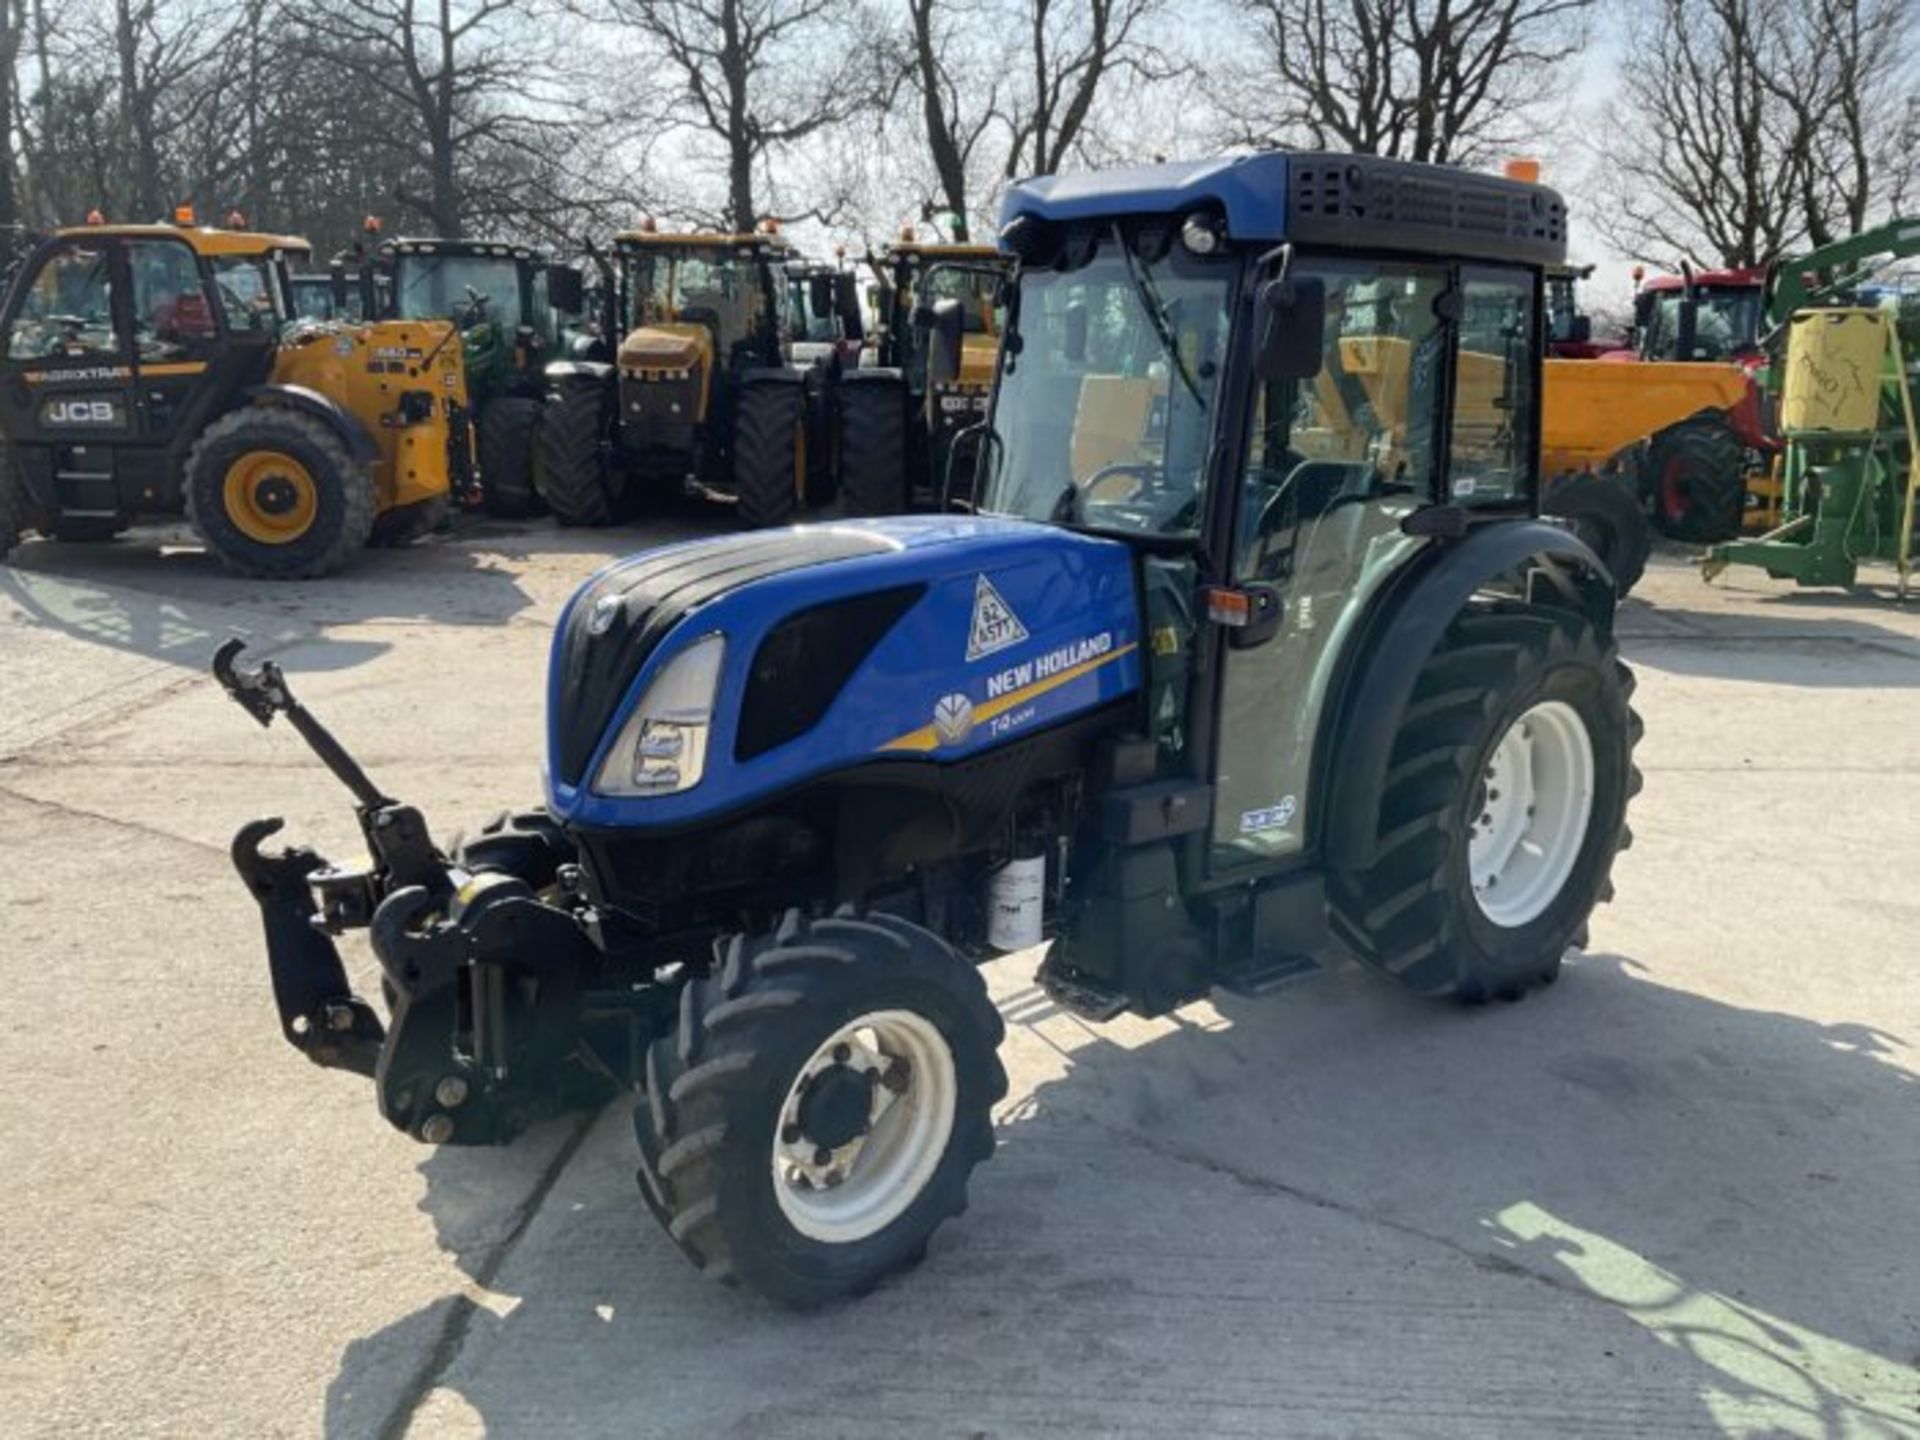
(172, 317)
(1494, 393)
(245, 289)
(68, 309)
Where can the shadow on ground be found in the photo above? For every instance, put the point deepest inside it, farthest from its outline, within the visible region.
(1617, 1208)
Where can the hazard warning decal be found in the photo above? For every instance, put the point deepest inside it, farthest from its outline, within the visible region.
(995, 626)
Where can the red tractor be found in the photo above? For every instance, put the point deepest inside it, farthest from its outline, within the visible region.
(1700, 315)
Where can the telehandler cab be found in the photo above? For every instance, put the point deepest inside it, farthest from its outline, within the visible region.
(145, 371)
(1224, 682)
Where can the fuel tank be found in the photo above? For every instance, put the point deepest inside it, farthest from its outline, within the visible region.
(928, 639)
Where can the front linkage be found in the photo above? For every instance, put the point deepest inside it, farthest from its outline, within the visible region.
(482, 978)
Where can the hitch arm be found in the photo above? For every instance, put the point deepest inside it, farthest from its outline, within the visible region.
(263, 692)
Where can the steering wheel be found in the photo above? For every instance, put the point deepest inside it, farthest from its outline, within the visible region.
(476, 309)
(1154, 505)
(1146, 471)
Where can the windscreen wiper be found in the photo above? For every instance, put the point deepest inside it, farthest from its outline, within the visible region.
(1150, 297)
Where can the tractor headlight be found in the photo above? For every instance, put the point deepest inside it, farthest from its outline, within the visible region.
(662, 749)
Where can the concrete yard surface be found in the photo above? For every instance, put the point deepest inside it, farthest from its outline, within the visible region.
(1678, 1193)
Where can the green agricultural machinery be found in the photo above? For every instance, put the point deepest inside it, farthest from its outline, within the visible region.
(1845, 384)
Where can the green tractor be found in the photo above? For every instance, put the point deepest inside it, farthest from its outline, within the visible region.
(701, 395)
(904, 427)
(513, 310)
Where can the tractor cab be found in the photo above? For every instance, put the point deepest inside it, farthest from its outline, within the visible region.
(823, 314)
(911, 273)
(702, 303)
(1701, 315)
(313, 299)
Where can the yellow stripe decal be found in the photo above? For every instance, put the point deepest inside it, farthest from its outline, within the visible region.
(925, 738)
(177, 367)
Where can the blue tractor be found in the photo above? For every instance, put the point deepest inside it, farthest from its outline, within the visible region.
(1254, 655)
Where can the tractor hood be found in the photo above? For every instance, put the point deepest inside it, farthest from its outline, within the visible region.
(928, 639)
(665, 347)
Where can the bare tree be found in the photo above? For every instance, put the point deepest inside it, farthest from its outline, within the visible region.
(1747, 128)
(756, 78)
(1444, 81)
(952, 58)
(1073, 51)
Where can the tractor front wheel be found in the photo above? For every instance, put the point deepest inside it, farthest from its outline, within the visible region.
(1504, 807)
(570, 469)
(873, 445)
(817, 1111)
(1697, 471)
(769, 452)
(506, 436)
(276, 496)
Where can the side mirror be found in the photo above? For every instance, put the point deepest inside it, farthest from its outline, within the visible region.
(1293, 316)
(943, 322)
(820, 296)
(567, 289)
(1074, 340)
(337, 274)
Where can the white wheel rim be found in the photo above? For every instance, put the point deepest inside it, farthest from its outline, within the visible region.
(864, 1185)
(1536, 799)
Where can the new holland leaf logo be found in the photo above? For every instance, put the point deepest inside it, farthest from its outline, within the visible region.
(995, 626)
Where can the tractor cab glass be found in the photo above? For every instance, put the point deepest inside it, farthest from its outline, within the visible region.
(973, 289)
(806, 320)
(719, 286)
(467, 289)
(1726, 323)
(1110, 378)
(67, 311)
(249, 292)
(173, 318)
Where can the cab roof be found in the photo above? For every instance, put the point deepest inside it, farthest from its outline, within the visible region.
(943, 250)
(699, 239)
(1750, 278)
(204, 239)
(1350, 201)
(440, 245)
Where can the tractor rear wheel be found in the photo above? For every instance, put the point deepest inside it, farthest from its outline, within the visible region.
(873, 446)
(275, 494)
(506, 435)
(1697, 472)
(1603, 510)
(769, 452)
(13, 506)
(571, 470)
(1504, 807)
(816, 1113)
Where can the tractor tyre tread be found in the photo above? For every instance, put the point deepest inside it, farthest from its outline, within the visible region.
(345, 520)
(570, 470)
(1716, 484)
(710, 1090)
(873, 448)
(1608, 515)
(767, 420)
(1410, 911)
(505, 436)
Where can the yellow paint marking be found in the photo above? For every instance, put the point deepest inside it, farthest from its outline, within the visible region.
(175, 367)
(926, 738)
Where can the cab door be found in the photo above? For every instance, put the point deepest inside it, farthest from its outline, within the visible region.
(1331, 466)
(66, 396)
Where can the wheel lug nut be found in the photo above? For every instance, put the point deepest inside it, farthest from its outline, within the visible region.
(822, 1155)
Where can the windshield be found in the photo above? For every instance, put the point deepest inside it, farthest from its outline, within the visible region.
(805, 324)
(466, 289)
(1726, 324)
(712, 288)
(1108, 385)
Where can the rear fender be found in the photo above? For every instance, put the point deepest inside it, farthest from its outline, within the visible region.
(1401, 634)
(360, 444)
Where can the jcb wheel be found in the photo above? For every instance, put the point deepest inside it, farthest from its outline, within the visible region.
(1697, 471)
(816, 1115)
(1604, 512)
(570, 471)
(13, 505)
(1505, 804)
(276, 496)
(506, 437)
(873, 446)
(768, 452)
